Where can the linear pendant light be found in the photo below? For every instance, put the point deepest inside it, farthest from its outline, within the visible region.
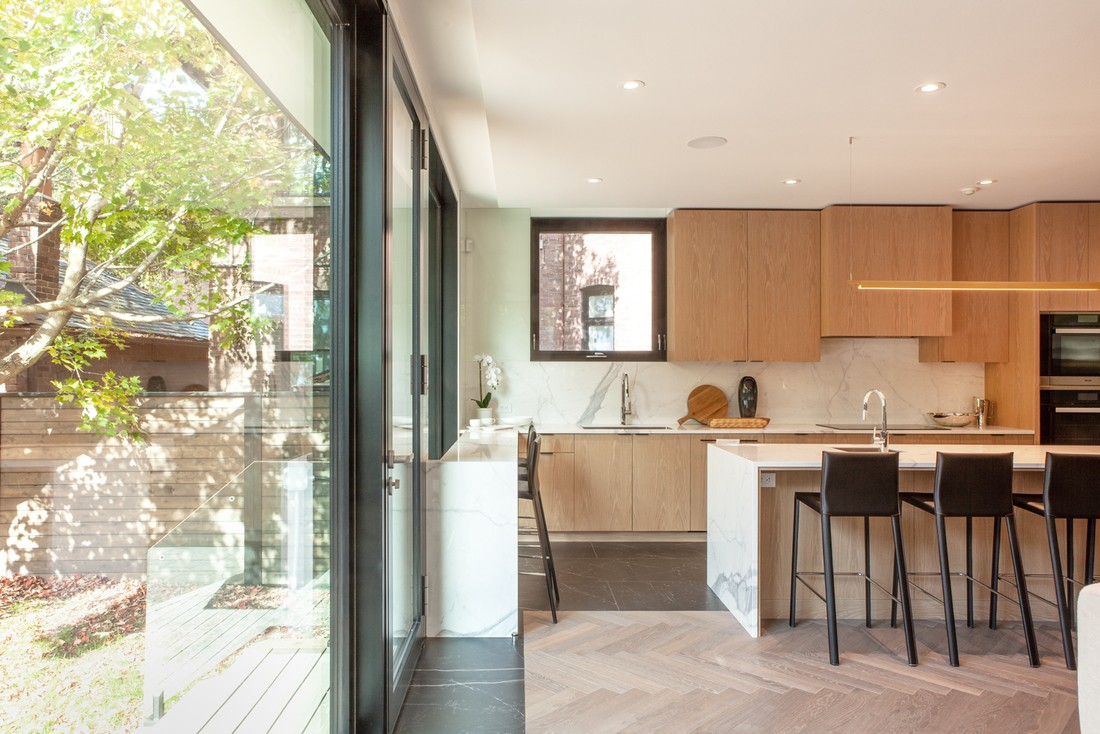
(974, 285)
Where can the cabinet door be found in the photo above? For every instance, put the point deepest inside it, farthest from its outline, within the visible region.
(1094, 254)
(884, 243)
(557, 487)
(706, 286)
(697, 519)
(662, 482)
(979, 321)
(602, 483)
(1062, 253)
(784, 286)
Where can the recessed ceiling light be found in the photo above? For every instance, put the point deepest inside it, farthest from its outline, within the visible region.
(929, 87)
(707, 141)
(633, 84)
(594, 180)
(987, 182)
(793, 181)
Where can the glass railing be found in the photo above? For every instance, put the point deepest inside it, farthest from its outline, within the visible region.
(245, 572)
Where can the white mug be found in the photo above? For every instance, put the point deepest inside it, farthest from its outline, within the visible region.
(475, 423)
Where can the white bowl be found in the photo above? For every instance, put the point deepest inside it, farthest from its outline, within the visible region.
(520, 421)
(951, 420)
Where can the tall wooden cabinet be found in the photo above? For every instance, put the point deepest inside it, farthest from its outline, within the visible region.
(661, 482)
(743, 285)
(884, 243)
(979, 321)
(1047, 241)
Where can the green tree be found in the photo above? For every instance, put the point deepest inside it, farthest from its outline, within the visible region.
(156, 144)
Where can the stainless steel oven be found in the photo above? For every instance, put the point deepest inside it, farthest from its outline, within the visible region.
(1069, 415)
(1069, 349)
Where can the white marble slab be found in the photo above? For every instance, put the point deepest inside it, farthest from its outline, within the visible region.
(691, 427)
(471, 534)
(733, 535)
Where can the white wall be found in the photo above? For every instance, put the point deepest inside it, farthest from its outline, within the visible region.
(495, 318)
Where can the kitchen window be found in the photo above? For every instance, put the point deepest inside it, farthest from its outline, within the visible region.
(598, 289)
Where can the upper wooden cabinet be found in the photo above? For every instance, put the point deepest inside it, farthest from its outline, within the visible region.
(743, 285)
(979, 321)
(884, 243)
(706, 286)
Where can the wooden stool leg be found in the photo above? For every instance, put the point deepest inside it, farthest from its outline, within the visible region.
(830, 589)
(867, 567)
(794, 566)
(1060, 592)
(901, 590)
(948, 601)
(995, 575)
(1021, 585)
(1090, 551)
(969, 572)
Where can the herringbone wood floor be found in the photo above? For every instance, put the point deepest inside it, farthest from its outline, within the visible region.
(700, 672)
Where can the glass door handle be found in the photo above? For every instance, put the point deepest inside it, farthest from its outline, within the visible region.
(392, 483)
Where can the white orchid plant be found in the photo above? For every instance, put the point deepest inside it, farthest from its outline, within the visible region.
(488, 374)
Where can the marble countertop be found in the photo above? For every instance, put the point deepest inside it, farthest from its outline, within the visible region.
(912, 456)
(693, 427)
(497, 445)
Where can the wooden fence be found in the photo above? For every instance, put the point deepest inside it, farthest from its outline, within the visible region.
(71, 502)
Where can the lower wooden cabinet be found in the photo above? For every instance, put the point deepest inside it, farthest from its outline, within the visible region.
(661, 482)
(602, 478)
(652, 482)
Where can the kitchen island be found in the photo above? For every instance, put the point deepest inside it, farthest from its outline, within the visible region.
(471, 533)
(750, 509)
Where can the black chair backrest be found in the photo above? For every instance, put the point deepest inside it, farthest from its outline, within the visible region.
(975, 485)
(859, 483)
(1071, 486)
(532, 437)
(533, 463)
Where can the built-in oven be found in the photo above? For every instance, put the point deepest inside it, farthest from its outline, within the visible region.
(1069, 415)
(1069, 349)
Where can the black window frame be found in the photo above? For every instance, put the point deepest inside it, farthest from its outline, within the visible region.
(656, 228)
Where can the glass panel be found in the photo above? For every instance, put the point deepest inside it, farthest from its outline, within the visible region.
(177, 495)
(402, 514)
(601, 306)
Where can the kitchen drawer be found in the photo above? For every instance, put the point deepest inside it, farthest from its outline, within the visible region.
(557, 443)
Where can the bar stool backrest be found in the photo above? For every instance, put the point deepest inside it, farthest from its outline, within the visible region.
(1071, 485)
(532, 436)
(859, 484)
(533, 446)
(974, 485)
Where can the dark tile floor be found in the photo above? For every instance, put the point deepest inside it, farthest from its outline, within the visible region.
(476, 685)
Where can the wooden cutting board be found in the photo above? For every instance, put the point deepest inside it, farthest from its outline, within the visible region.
(706, 402)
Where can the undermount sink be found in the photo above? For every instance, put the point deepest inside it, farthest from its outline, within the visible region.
(627, 428)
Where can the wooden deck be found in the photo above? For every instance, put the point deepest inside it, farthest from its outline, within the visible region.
(274, 686)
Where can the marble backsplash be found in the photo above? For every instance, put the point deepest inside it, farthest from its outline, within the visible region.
(830, 390)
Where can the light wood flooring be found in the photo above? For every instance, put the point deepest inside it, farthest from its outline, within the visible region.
(624, 671)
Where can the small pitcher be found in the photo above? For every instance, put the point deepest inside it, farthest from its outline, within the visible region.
(984, 409)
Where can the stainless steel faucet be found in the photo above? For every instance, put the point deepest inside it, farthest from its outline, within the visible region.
(625, 407)
(881, 438)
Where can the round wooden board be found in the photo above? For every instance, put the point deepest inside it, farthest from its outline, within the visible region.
(706, 402)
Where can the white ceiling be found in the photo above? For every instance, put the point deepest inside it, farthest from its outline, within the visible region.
(524, 96)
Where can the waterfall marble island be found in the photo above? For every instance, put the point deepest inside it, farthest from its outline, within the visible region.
(750, 492)
(471, 533)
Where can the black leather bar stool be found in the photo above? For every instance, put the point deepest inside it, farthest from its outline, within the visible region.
(854, 485)
(529, 490)
(969, 486)
(1071, 491)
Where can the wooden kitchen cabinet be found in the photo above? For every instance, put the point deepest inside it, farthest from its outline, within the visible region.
(784, 286)
(743, 285)
(707, 281)
(556, 479)
(1062, 252)
(661, 482)
(603, 479)
(979, 321)
(884, 243)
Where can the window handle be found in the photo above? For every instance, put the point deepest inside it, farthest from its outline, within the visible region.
(596, 355)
